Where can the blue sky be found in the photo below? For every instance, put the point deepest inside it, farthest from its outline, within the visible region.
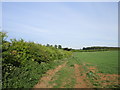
(70, 24)
(0, 16)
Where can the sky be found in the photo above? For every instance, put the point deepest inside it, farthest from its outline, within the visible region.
(0, 16)
(70, 24)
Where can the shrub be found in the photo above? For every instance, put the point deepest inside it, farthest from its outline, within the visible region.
(24, 62)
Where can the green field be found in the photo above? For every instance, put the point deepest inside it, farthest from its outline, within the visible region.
(106, 61)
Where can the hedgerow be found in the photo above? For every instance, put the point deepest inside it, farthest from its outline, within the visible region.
(23, 63)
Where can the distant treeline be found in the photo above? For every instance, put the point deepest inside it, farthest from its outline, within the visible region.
(85, 49)
(90, 49)
(101, 48)
(55, 46)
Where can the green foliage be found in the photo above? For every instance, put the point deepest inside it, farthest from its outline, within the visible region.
(95, 49)
(55, 46)
(24, 62)
(47, 45)
(19, 52)
(59, 46)
(26, 76)
(3, 36)
(100, 48)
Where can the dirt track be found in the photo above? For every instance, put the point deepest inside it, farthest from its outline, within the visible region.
(43, 83)
(81, 78)
(81, 81)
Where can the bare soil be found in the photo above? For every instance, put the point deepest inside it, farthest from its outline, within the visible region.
(105, 80)
(108, 79)
(81, 79)
(43, 83)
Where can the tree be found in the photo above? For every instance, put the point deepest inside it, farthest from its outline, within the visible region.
(84, 48)
(55, 46)
(51, 45)
(47, 45)
(59, 46)
(3, 36)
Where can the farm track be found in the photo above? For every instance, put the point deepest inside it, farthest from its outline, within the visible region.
(81, 78)
(80, 75)
(43, 83)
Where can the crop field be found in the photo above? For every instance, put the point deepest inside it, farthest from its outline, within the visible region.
(106, 61)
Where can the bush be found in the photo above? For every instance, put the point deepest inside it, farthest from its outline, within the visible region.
(24, 62)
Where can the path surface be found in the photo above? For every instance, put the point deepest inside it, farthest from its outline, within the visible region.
(43, 83)
(81, 78)
(76, 76)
